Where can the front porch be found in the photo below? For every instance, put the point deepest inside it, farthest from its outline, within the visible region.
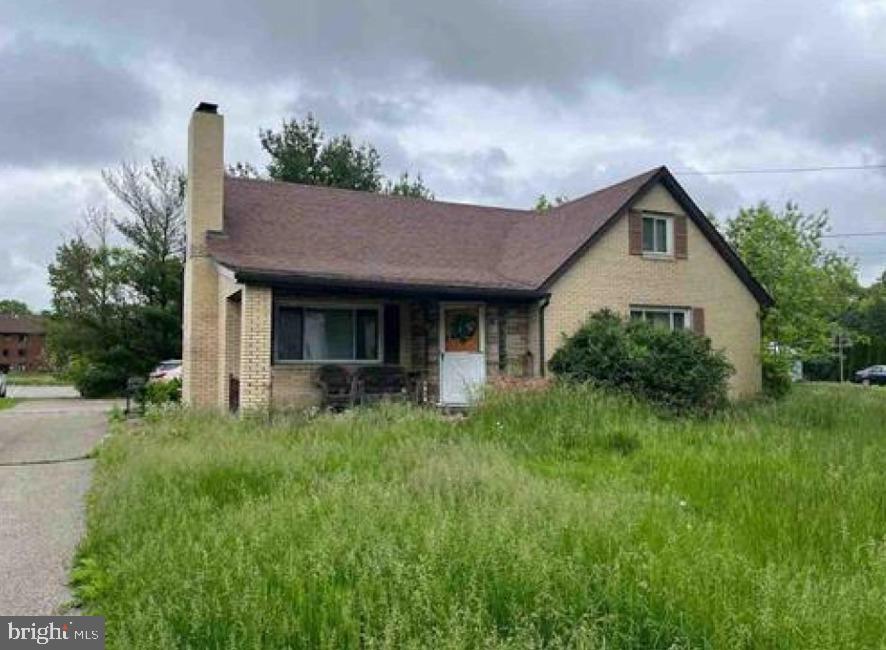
(275, 340)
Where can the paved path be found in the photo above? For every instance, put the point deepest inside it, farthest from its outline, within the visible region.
(41, 505)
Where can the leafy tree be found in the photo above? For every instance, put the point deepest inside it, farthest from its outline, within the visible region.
(872, 309)
(864, 326)
(14, 308)
(117, 309)
(812, 285)
(300, 152)
(403, 186)
(543, 204)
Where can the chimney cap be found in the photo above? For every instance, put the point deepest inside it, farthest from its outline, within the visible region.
(206, 107)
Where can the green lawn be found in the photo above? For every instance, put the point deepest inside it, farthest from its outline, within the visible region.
(7, 402)
(34, 379)
(571, 519)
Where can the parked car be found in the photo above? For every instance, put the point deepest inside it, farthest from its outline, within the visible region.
(2, 381)
(166, 371)
(872, 375)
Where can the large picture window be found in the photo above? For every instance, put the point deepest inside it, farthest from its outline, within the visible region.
(658, 235)
(666, 317)
(305, 333)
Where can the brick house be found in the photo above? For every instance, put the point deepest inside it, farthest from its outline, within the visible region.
(22, 342)
(281, 278)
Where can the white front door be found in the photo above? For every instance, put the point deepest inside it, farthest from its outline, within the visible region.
(462, 353)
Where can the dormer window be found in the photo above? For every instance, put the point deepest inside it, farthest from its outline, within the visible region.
(658, 235)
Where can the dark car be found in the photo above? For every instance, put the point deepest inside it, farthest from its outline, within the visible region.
(872, 375)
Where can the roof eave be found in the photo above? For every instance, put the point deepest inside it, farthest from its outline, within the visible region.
(294, 281)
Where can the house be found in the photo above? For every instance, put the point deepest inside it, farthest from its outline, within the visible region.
(22, 342)
(281, 278)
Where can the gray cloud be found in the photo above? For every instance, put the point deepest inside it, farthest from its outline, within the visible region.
(493, 102)
(809, 67)
(61, 104)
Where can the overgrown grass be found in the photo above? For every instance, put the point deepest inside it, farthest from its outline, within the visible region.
(566, 519)
(35, 379)
(7, 402)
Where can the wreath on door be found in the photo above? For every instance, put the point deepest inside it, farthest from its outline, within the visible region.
(463, 327)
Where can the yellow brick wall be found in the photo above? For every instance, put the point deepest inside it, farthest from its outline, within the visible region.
(203, 210)
(229, 317)
(255, 348)
(200, 334)
(607, 276)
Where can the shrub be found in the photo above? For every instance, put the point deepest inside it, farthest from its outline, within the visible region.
(163, 392)
(776, 374)
(675, 369)
(97, 380)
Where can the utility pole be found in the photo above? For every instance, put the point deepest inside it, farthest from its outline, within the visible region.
(841, 342)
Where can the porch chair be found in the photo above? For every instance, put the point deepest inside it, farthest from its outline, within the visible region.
(338, 389)
(375, 383)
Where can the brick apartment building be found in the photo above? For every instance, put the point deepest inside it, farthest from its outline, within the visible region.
(22, 342)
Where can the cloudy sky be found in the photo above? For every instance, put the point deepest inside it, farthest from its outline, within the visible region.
(492, 101)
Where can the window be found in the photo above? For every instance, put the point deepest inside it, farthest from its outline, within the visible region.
(326, 334)
(658, 235)
(676, 318)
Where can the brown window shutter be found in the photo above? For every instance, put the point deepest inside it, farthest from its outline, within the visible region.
(680, 237)
(635, 233)
(698, 320)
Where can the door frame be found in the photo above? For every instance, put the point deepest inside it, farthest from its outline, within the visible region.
(443, 305)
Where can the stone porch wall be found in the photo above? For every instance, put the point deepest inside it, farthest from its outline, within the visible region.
(518, 358)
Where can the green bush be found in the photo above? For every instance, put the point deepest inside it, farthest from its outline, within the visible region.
(776, 374)
(675, 369)
(163, 392)
(96, 379)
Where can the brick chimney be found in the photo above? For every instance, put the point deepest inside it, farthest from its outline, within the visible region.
(204, 209)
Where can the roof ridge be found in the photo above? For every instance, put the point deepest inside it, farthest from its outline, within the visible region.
(633, 179)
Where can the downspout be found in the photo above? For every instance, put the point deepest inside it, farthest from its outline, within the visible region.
(541, 334)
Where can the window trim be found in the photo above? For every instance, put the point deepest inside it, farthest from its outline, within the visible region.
(348, 306)
(686, 311)
(670, 247)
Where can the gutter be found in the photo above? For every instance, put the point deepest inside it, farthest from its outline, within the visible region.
(541, 334)
(296, 281)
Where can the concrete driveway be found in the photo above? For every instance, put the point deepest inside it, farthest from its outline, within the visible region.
(41, 392)
(43, 481)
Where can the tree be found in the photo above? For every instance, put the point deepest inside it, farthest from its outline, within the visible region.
(117, 309)
(872, 309)
(404, 187)
(812, 286)
(543, 204)
(301, 153)
(12, 307)
(243, 170)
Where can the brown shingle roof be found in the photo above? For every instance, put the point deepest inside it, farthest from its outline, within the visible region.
(285, 230)
(10, 324)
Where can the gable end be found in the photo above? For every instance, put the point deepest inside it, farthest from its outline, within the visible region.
(708, 229)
